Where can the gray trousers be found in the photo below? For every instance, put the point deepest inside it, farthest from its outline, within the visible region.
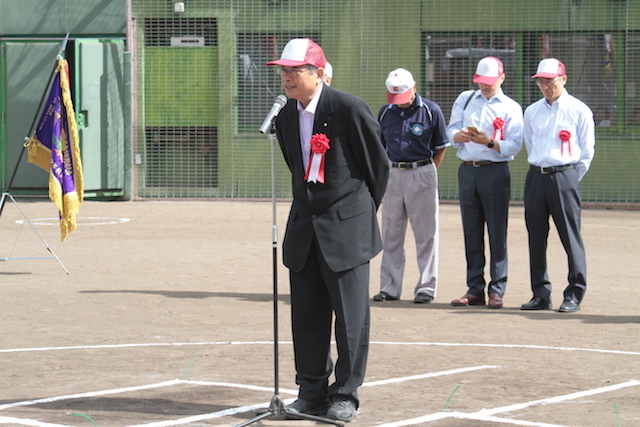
(411, 196)
(556, 195)
(485, 192)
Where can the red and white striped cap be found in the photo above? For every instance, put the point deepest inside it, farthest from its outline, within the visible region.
(550, 68)
(301, 52)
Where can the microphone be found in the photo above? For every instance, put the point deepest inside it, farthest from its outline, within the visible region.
(280, 101)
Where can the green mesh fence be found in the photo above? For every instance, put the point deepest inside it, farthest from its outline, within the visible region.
(203, 88)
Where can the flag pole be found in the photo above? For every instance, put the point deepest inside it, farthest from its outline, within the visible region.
(63, 47)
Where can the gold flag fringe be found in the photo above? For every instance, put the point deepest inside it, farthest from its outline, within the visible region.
(71, 202)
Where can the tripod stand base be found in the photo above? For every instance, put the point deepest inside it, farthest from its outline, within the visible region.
(277, 408)
(8, 195)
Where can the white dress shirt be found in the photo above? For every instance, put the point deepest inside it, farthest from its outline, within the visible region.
(542, 126)
(306, 117)
(481, 112)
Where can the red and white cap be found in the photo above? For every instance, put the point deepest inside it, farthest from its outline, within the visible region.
(550, 68)
(328, 70)
(299, 52)
(399, 84)
(488, 71)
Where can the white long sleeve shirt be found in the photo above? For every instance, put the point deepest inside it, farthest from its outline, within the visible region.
(481, 113)
(542, 126)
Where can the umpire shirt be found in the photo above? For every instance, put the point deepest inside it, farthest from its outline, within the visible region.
(414, 133)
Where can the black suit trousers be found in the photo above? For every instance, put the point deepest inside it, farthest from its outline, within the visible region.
(556, 195)
(484, 200)
(317, 293)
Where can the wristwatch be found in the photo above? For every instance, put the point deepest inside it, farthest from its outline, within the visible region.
(491, 144)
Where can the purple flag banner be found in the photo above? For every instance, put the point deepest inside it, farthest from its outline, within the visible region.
(54, 147)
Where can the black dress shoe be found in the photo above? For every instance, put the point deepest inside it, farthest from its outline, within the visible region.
(342, 409)
(383, 296)
(423, 298)
(537, 303)
(569, 306)
(303, 406)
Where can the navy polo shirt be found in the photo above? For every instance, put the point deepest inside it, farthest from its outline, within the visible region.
(413, 133)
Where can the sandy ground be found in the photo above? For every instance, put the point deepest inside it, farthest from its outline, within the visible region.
(166, 319)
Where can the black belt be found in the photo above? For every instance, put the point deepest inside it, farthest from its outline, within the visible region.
(552, 169)
(478, 163)
(410, 165)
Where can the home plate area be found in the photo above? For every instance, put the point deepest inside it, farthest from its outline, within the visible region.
(514, 391)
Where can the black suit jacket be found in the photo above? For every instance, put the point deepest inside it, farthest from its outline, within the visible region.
(341, 212)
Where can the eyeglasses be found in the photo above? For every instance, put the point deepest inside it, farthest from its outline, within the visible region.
(541, 83)
(292, 71)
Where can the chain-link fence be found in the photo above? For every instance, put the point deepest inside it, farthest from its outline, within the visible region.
(203, 88)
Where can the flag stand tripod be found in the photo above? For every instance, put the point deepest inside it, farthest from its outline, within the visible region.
(9, 196)
(6, 194)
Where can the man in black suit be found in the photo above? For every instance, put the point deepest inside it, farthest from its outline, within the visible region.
(331, 143)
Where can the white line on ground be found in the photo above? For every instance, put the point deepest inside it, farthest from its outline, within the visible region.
(571, 396)
(226, 412)
(483, 415)
(489, 414)
(429, 375)
(34, 423)
(88, 394)
(219, 414)
(524, 346)
(248, 387)
(80, 221)
(537, 347)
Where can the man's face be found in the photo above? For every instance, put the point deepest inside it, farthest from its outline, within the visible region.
(552, 88)
(490, 91)
(411, 99)
(301, 82)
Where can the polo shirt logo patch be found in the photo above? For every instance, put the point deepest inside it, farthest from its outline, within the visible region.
(417, 129)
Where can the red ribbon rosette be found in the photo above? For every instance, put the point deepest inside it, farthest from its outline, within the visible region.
(498, 126)
(319, 146)
(565, 137)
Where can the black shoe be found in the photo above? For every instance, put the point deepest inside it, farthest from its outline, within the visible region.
(537, 303)
(342, 409)
(423, 298)
(383, 296)
(569, 306)
(303, 406)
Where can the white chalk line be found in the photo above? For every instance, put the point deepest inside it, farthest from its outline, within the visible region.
(187, 420)
(79, 220)
(484, 415)
(428, 375)
(23, 422)
(235, 385)
(89, 394)
(489, 414)
(218, 414)
(109, 346)
(519, 346)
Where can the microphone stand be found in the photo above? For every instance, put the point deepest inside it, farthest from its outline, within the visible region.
(276, 407)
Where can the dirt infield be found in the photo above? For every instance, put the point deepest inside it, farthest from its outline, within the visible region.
(166, 320)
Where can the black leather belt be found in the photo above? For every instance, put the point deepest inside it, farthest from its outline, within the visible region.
(552, 169)
(478, 163)
(410, 165)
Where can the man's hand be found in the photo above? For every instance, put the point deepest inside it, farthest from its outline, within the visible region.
(478, 136)
(462, 136)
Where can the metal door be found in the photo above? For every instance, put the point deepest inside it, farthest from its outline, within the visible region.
(99, 95)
